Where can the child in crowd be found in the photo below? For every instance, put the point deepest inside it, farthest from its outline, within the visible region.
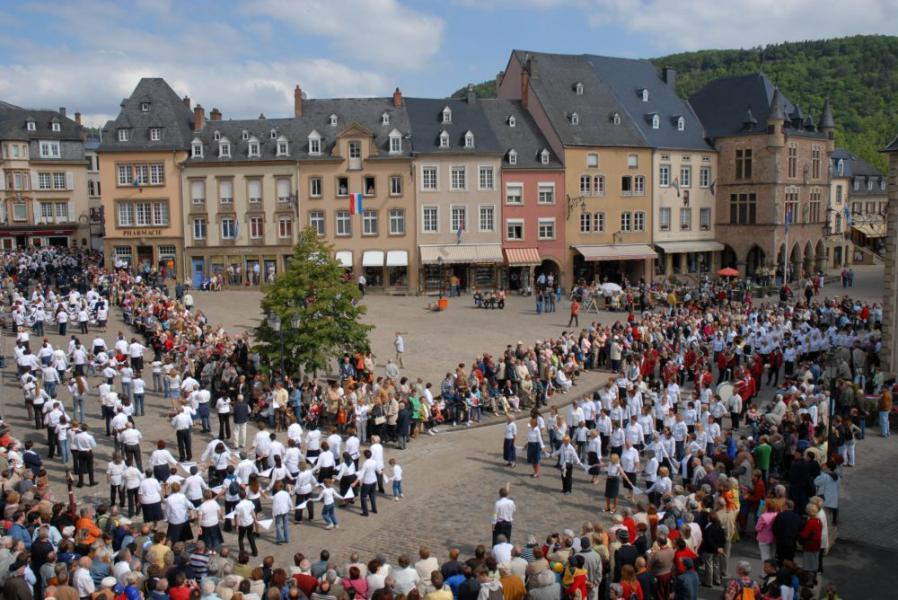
(397, 480)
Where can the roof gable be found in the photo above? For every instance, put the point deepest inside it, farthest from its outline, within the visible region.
(166, 110)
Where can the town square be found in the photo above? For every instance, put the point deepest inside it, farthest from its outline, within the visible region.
(604, 325)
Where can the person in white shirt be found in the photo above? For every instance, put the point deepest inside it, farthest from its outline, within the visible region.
(377, 453)
(84, 446)
(281, 505)
(182, 424)
(81, 579)
(368, 479)
(629, 461)
(210, 516)
(161, 461)
(303, 487)
(261, 446)
(178, 510)
(509, 452)
(138, 392)
(223, 410)
(405, 575)
(194, 486)
(150, 494)
(135, 352)
(567, 458)
(132, 477)
(503, 515)
(114, 476)
(245, 516)
(502, 550)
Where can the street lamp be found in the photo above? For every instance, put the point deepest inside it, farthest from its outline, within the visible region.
(274, 322)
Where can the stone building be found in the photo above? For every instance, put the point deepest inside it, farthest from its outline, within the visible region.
(889, 353)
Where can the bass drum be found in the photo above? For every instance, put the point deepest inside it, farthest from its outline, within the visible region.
(725, 390)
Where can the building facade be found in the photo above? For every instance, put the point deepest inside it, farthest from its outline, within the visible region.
(607, 162)
(457, 194)
(532, 213)
(95, 214)
(889, 352)
(859, 210)
(774, 177)
(140, 179)
(43, 179)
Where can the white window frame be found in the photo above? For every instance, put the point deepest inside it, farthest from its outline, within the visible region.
(49, 149)
(639, 219)
(632, 161)
(512, 157)
(123, 135)
(394, 189)
(55, 126)
(281, 223)
(656, 122)
(155, 134)
(544, 186)
(199, 226)
(45, 181)
(575, 118)
(599, 220)
(481, 170)
(491, 208)
(317, 221)
(704, 177)
(396, 216)
(681, 124)
(626, 221)
(425, 170)
(253, 149)
(685, 225)
(447, 116)
(196, 150)
(515, 222)
(444, 139)
(256, 228)
(30, 125)
(664, 215)
(592, 160)
(664, 176)
(229, 233)
(395, 143)
(453, 170)
(224, 150)
(544, 157)
(638, 185)
(511, 186)
(197, 192)
(704, 224)
(469, 140)
(342, 223)
(283, 148)
(453, 222)
(314, 144)
(425, 210)
(255, 199)
(332, 120)
(320, 185)
(229, 198)
(547, 221)
(368, 217)
(278, 185)
(578, 89)
(685, 176)
(585, 222)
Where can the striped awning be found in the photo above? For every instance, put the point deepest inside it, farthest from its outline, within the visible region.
(616, 252)
(522, 256)
(871, 230)
(462, 253)
(344, 257)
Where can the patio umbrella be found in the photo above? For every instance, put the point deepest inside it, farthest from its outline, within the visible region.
(728, 272)
(611, 288)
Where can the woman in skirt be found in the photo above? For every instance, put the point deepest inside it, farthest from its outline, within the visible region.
(150, 494)
(346, 475)
(612, 483)
(210, 515)
(534, 445)
(509, 454)
(594, 455)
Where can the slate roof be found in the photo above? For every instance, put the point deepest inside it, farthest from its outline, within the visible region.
(166, 110)
(856, 168)
(366, 113)
(524, 138)
(554, 82)
(893, 146)
(721, 105)
(425, 116)
(13, 125)
(627, 78)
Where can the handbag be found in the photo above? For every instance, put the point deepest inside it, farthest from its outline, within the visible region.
(380, 420)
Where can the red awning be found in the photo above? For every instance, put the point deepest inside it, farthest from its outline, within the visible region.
(522, 256)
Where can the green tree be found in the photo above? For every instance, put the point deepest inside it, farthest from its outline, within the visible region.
(314, 290)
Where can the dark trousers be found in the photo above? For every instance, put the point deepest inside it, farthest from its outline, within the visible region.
(52, 442)
(86, 459)
(249, 534)
(310, 507)
(132, 452)
(367, 494)
(734, 417)
(117, 490)
(224, 426)
(380, 483)
(184, 450)
(567, 478)
(575, 319)
(133, 501)
(501, 528)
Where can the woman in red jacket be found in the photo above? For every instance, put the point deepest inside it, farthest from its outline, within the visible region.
(811, 537)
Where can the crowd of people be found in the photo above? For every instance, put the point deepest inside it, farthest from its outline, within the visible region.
(682, 426)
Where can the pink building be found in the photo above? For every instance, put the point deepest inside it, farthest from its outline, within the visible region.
(532, 197)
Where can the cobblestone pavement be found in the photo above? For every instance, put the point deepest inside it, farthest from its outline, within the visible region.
(452, 479)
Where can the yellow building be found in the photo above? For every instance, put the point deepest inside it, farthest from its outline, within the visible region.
(140, 182)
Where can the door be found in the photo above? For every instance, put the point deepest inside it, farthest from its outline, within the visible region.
(355, 156)
(198, 272)
(145, 258)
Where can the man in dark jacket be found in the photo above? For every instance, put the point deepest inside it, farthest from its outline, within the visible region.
(626, 554)
(403, 425)
(686, 585)
(470, 587)
(15, 587)
(786, 527)
(712, 551)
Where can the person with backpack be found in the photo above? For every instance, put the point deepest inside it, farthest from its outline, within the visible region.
(743, 587)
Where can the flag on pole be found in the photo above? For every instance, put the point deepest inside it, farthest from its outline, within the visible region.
(713, 186)
(676, 184)
(847, 216)
(355, 203)
(461, 230)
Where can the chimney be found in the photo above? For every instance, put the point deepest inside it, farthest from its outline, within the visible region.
(669, 75)
(186, 101)
(199, 117)
(525, 87)
(532, 67)
(397, 98)
(297, 101)
(499, 77)
(62, 110)
(78, 118)
(215, 115)
(470, 96)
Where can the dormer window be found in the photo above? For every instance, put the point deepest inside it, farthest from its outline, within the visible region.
(273, 134)
(444, 140)
(224, 149)
(244, 135)
(615, 118)
(253, 148)
(216, 136)
(681, 124)
(644, 94)
(395, 142)
(578, 88)
(314, 143)
(55, 126)
(512, 157)
(469, 140)
(544, 156)
(447, 115)
(656, 121)
(123, 135)
(196, 149)
(385, 119)
(882, 185)
(333, 120)
(144, 107)
(511, 121)
(575, 119)
(283, 147)
(30, 125)
(155, 134)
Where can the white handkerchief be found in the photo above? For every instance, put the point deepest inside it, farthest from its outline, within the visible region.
(266, 524)
(230, 515)
(349, 495)
(302, 505)
(266, 473)
(186, 465)
(312, 459)
(217, 489)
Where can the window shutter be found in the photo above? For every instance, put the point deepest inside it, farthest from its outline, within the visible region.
(72, 217)
(69, 180)
(35, 183)
(36, 212)
(283, 188)
(2, 180)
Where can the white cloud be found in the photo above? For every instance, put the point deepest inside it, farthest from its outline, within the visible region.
(383, 32)
(698, 24)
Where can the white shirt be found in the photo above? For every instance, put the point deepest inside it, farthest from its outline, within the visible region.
(281, 503)
(368, 471)
(193, 487)
(132, 477)
(209, 513)
(150, 491)
(177, 508)
(504, 510)
(162, 457)
(245, 513)
(115, 472)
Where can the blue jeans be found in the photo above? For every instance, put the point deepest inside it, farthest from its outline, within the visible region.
(78, 409)
(397, 488)
(281, 529)
(126, 389)
(884, 423)
(327, 513)
(138, 405)
(50, 387)
(64, 453)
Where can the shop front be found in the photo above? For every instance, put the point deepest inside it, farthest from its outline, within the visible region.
(61, 237)
(373, 268)
(522, 263)
(146, 255)
(461, 267)
(693, 258)
(617, 263)
(397, 271)
(344, 259)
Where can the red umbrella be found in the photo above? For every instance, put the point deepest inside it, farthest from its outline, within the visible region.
(728, 272)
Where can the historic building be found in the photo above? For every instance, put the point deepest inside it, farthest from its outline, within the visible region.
(773, 183)
(532, 213)
(140, 178)
(94, 201)
(607, 162)
(890, 287)
(858, 215)
(43, 179)
(457, 193)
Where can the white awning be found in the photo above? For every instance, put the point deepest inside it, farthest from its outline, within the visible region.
(397, 258)
(684, 247)
(462, 253)
(616, 252)
(344, 257)
(373, 258)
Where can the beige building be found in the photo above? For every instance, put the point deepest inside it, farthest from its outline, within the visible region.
(43, 179)
(140, 179)
(861, 215)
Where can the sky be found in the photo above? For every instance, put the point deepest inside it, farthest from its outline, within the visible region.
(246, 57)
